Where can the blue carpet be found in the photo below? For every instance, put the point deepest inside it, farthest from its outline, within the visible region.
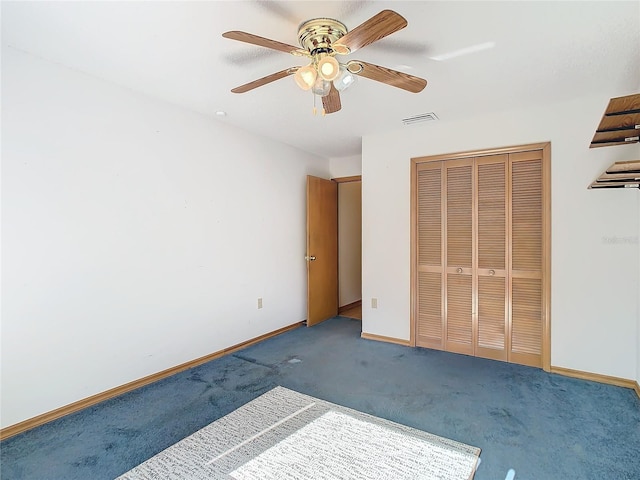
(544, 426)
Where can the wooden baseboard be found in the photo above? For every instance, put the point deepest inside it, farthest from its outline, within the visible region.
(637, 389)
(597, 377)
(349, 306)
(25, 425)
(382, 338)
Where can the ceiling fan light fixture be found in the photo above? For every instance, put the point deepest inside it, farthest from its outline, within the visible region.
(344, 80)
(322, 87)
(305, 77)
(354, 67)
(321, 39)
(328, 68)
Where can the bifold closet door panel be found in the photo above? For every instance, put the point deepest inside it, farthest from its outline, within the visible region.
(429, 324)
(526, 212)
(459, 313)
(492, 213)
(526, 317)
(430, 308)
(526, 258)
(459, 234)
(491, 256)
(492, 305)
(459, 213)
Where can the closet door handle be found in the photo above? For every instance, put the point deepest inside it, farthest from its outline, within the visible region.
(492, 272)
(459, 270)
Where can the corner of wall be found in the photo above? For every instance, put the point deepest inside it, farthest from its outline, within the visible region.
(345, 166)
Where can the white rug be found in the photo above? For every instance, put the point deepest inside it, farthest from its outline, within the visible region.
(285, 435)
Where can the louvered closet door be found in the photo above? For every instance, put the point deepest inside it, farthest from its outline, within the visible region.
(429, 311)
(491, 279)
(526, 258)
(459, 233)
(482, 254)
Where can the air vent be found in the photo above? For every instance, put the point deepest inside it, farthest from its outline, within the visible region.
(423, 117)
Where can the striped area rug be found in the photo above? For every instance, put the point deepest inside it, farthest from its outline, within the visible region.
(286, 435)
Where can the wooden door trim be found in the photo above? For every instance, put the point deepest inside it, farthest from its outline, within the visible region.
(413, 293)
(475, 304)
(546, 255)
(339, 180)
(353, 178)
(482, 153)
(545, 148)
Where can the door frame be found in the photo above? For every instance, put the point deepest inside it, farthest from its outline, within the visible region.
(545, 147)
(339, 180)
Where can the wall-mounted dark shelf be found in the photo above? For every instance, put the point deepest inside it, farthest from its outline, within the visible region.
(620, 124)
(619, 175)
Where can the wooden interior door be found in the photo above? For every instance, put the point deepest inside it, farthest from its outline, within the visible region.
(459, 231)
(322, 249)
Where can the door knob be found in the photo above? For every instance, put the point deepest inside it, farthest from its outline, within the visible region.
(492, 272)
(310, 258)
(459, 270)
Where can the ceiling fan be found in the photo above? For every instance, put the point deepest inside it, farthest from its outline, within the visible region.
(321, 40)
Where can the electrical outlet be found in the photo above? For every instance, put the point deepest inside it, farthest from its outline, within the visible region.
(259, 302)
(374, 303)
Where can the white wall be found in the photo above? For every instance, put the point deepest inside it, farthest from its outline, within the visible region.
(594, 282)
(136, 236)
(349, 242)
(345, 166)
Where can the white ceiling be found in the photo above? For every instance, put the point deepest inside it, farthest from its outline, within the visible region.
(544, 52)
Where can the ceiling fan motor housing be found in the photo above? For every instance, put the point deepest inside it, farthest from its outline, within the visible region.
(318, 35)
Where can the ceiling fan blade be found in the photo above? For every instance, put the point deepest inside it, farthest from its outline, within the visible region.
(264, 80)
(379, 26)
(331, 102)
(264, 42)
(389, 76)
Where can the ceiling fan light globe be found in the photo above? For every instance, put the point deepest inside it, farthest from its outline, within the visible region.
(305, 77)
(328, 68)
(344, 80)
(321, 87)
